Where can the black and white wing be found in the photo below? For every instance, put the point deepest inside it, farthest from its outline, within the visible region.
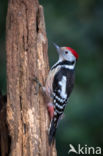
(62, 87)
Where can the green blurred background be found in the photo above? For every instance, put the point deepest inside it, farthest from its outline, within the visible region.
(79, 24)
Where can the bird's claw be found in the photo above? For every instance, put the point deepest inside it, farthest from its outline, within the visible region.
(37, 81)
(38, 85)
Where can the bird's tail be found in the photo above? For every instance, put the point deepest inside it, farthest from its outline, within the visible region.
(52, 131)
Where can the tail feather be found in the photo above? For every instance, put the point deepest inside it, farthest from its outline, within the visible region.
(52, 131)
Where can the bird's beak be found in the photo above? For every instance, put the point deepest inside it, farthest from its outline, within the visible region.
(57, 47)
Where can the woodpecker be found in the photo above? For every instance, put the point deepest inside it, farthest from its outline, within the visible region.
(59, 85)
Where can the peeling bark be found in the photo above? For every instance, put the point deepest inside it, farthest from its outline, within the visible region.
(27, 57)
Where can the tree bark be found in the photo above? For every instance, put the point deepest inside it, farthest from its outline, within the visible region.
(26, 45)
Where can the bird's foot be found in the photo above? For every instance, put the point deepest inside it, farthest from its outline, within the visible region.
(38, 86)
(37, 81)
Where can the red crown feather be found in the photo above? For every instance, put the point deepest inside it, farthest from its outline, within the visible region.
(73, 52)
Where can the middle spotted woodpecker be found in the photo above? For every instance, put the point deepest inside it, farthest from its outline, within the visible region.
(59, 85)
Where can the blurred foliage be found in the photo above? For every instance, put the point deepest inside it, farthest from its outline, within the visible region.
(78, 24)
(3, 10)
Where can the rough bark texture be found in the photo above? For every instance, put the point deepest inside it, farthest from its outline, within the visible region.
(27, 57)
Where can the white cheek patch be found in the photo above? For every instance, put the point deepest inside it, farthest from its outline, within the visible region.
(62, 83)
(70, 56)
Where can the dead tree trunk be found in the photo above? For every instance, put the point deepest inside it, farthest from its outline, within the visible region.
(26, 45)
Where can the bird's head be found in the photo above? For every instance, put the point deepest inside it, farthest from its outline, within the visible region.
(66, 53)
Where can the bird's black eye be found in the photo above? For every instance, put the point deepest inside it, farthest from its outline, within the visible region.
(66, 52)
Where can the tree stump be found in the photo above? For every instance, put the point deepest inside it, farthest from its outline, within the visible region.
(26, 46)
